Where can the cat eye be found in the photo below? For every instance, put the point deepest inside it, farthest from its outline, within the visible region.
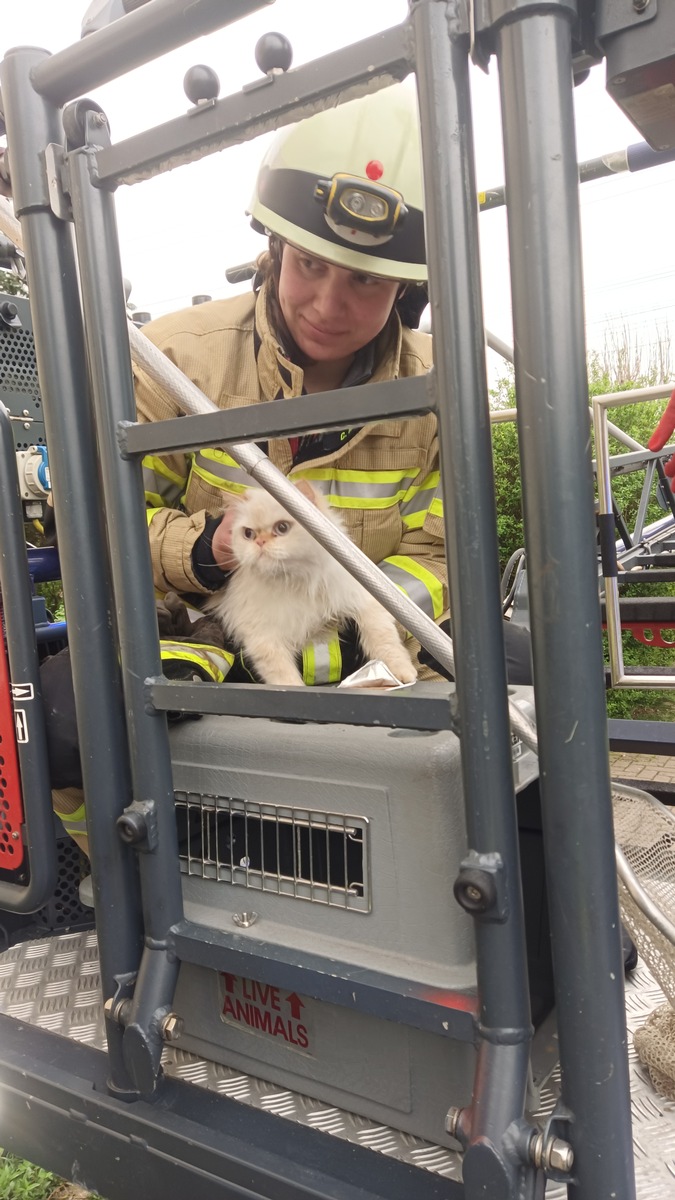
(249, 534)
(282, 527)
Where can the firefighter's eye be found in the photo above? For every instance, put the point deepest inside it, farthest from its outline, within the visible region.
(249, 534)
(281, 527)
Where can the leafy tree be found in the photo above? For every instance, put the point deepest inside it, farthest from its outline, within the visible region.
(12, 284)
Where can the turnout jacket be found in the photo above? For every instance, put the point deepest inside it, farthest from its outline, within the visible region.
(384, 477)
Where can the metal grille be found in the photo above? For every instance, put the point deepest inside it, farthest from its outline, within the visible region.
(316, 856)
(18, 371)
(19, 384)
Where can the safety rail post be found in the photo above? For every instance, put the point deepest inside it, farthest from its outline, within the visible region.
(533, 49)
(504, 1030)
(17, 610)
(151, 824)
(33, 124)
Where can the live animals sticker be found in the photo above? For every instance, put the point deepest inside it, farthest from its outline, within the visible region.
(267, 1011)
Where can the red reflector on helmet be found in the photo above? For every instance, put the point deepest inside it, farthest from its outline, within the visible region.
(374, 169)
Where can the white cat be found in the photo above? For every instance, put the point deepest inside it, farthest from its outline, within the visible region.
(287, 590)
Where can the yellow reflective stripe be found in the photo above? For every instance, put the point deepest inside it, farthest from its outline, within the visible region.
(217, 455)
(211, 660)
(73, 822)
(199, 660)
(225, 485)
(417, 582)
(73, 827)
(419, 501)
(152, 463)
(322, 661)
(358, 489)
(352, 476)
(78, 814)
(151, 512)
(370, 502)
(308, 664)
(163, 487)
(436, 508)
(203, 648)
(334, 660)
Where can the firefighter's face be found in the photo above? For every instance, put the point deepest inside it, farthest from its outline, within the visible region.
(331, 312)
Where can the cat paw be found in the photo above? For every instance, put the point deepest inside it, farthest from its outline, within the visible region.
(402, 668)
(286, 679)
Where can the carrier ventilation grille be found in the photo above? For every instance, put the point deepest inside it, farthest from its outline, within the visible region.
(316, 856)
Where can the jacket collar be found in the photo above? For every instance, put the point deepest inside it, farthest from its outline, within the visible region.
(281, 378)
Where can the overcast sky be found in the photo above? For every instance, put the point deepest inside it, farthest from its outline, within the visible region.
(179, 232)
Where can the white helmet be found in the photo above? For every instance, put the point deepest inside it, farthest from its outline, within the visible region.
(346, 186)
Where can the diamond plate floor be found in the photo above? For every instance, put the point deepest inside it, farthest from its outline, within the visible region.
(54, 984)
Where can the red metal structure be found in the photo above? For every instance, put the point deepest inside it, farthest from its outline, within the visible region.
(11, 805)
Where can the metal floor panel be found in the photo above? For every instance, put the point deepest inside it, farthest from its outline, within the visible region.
(54, 984)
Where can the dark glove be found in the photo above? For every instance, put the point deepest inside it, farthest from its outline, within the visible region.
(173, 618)
(204, 564)
(517, 645)
(350, 649)
(426, 658)
(175, 624)
(662, 435)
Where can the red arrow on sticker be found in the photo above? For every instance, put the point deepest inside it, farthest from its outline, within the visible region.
(295, 1005)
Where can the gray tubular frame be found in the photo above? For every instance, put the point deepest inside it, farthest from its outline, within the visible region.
(533, 50)
(135, 766)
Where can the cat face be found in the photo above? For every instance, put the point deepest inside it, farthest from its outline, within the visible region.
(266, 538)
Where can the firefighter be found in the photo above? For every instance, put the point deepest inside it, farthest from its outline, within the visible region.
(335, 297)
(336, 301)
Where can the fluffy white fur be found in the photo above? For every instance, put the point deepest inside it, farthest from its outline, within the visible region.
(287, 591)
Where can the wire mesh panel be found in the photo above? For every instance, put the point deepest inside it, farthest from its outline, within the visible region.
(310, 855)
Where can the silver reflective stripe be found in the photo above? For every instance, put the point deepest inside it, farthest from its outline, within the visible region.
(208, 657)
(358, 489)
(428, 497)
(73, 827)
(413, 587)
(158, 487)
(321, 663)
(221, 471)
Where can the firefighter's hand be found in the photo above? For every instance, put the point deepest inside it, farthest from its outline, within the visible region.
(173, 618)
(221, 544)
(426, 658)
(662, 435)
(175, 624)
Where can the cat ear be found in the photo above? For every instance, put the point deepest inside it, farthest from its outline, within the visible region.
(304, 486)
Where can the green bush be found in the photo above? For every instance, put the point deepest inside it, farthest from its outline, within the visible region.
(638, 421)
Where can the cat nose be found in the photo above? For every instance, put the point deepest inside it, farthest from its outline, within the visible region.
(260, 541)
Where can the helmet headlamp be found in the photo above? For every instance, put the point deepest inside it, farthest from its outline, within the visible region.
(362, 205)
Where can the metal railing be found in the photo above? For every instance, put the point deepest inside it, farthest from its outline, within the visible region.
(641, 539)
